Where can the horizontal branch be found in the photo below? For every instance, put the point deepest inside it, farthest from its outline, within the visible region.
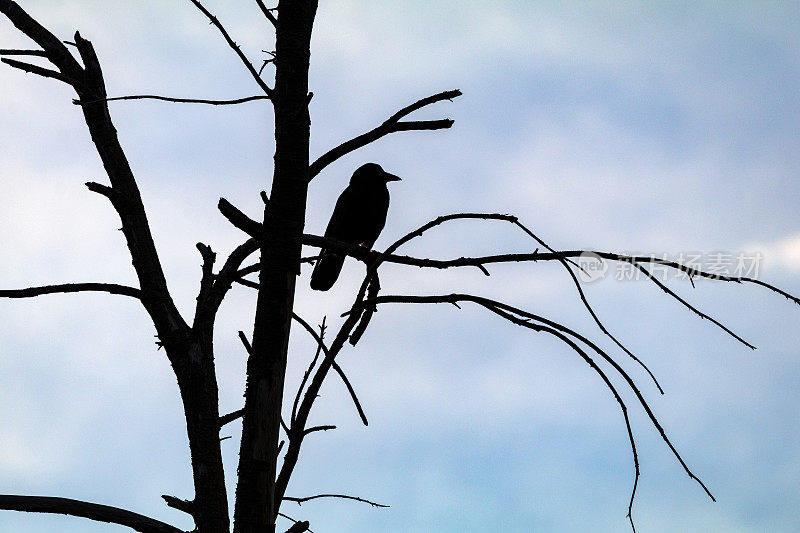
(422, 125)
(92, 511)
(175, 100)
(390, 125)
(230, 417)
(314, 429)
(104, 190)
(367, 256)
(341, 496)
(370, 256)
(65, 288)
(15, 52)
(186, 506)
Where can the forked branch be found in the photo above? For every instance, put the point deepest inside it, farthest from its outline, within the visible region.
(267, 12)
(391, 125)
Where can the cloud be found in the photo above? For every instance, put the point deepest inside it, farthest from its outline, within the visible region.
(613, 124)
(783, 253)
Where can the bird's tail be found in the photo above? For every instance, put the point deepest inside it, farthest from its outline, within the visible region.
(327, 270)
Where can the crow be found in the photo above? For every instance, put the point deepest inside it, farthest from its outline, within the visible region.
(358, 218)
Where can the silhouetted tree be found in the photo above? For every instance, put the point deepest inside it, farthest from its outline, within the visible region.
(278, 238)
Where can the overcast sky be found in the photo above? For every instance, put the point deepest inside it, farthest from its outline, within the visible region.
(665, 128)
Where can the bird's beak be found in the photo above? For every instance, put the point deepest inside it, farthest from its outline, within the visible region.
(390, 177)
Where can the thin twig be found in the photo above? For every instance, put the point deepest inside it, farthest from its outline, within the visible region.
(267, 13)
(690, 306)
(246, 343)
(565, 262)
(310, 396)
(320, 344)
(372, 292)
(318, 428)
(504, 310)
(335, 365)
(235, 47)
(342, 496)
(175, 100)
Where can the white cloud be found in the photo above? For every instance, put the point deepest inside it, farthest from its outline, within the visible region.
(783, 253)
(580, 167)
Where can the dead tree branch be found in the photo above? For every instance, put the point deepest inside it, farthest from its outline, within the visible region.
(65, 288)
(187, 506)
(566, 263)
(267, 12)
(18, 52)
(240, 220)
(320, 340)
(341, 496)
(336, 367)
(317, 428)
(391, 125)
(311, 394)
(690, 306)
(189, 350)
(39, 71)
(92, 511)
(298, 526)
(369, 256)
(232, 101)
(235, 47)
(230, 417)
(541, 324)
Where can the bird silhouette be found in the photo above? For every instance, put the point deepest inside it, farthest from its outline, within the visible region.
(358, 218)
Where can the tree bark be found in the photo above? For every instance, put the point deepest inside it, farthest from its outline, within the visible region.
(284, 219)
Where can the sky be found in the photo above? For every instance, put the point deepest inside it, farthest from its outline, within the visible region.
(632, 127)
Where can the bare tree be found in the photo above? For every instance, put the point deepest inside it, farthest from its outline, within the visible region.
(270, 445)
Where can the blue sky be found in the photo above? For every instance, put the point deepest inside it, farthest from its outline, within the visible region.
(651, 127)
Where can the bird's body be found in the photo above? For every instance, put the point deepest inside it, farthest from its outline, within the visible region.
(358, 218)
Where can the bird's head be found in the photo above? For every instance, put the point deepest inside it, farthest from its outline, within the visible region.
(372, 173)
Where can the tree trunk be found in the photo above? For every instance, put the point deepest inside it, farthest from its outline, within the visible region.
(284, 218)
